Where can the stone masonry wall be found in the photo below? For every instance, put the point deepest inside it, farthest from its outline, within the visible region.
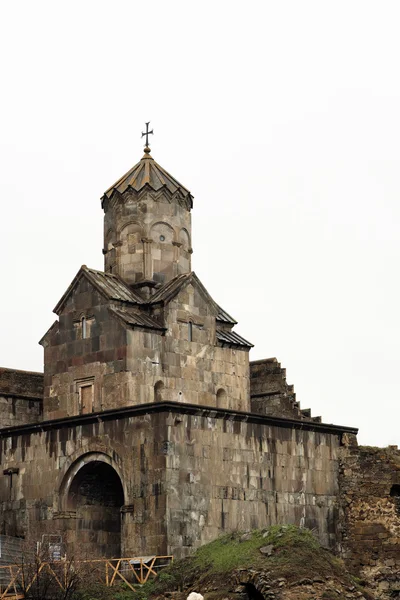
(129, 366)
(272, 395)
(21, 397)
(100, 359)
(188, 474)
(226, 474)
(370, 492)
(200, 371)
(147, 237)
(45, 463)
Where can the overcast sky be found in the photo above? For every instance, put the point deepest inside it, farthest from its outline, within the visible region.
(283, 120)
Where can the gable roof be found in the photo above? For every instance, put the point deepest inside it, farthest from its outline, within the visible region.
(170, 289)
(108, 285)
(173, 287)
(42, 340)
(112, 287)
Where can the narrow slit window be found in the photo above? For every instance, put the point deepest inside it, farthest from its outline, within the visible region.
(190, 331)
(84, 328)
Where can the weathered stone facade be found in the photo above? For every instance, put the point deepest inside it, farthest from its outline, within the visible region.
(270, 393)
(150, 431)
(147, 226)
(187, 474)
(128, 357)
(21, 397)
(370, 505)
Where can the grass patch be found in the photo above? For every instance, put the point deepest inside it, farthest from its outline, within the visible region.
(296, 554)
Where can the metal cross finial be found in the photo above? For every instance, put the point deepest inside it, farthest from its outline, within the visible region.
(147, 133)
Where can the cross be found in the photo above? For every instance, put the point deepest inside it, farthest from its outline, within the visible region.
(10, 473)
(147, 133)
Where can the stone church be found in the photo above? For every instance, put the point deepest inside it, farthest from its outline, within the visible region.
(150, 431)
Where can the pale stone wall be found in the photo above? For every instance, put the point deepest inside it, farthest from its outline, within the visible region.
(192, 371)
(229, 474)
(147, 237)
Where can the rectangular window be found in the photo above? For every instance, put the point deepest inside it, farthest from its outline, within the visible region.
(85, 391)
(86, 399)
(190, 331)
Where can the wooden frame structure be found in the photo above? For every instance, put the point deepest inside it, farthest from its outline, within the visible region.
(132, 571)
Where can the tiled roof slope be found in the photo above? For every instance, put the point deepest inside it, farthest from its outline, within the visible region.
(136, 319)
(170, 289)
(231, 338)
(110, 286)
(113, 286)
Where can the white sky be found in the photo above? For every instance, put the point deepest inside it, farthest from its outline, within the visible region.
(283, 120)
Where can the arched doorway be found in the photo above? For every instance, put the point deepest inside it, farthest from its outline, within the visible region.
(96, 494)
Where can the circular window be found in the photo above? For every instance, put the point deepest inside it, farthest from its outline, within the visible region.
(162, 238)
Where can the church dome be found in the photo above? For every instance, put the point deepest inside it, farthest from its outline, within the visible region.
(148, 172)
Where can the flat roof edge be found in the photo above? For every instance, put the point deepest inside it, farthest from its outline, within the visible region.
(177, 407)
(10, 370)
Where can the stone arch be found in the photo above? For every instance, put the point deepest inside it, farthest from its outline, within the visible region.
(222, 398)
(252, 592)
(92, 492)
(158, 391)
(131, 232)
(184, 239)
(162, 229)
(78, 462)
(134, 223)
(256, 586)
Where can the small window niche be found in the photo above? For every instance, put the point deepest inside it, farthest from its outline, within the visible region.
(83, 327)
(190, 331)
(158, 391)
(221, 399)
(85, 391)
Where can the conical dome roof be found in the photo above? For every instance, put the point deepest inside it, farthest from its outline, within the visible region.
(148, 172)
